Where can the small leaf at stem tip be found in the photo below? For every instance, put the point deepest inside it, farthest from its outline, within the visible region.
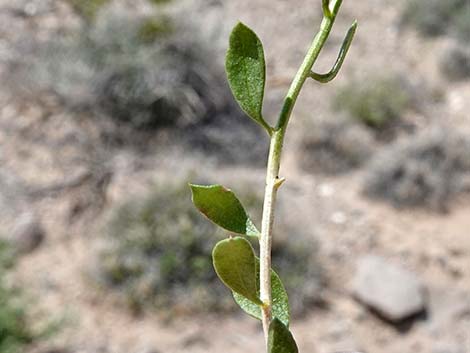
(246, 72)
(235, 264)
(280, 300)
(280, 339)
(221, 206)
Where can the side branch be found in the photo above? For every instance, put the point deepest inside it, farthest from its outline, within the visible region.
(325, 78)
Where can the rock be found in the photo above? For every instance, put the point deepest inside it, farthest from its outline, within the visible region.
(27, 234)
(392, 291)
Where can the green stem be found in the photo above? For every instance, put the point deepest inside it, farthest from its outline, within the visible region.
(274, 162)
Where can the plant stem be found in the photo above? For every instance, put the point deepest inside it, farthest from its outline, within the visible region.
(274, 162)
(272, 184)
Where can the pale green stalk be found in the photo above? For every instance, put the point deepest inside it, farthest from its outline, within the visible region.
(274, 162)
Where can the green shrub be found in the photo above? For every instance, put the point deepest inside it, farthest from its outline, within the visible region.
(15, 332)
(154, 28)
(88, 8)
(421, 171)
(7, 256)
(377, 102)
(159, 2)
(157, 255)
(437, 17)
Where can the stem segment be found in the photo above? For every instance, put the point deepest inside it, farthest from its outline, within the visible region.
(272, 184)
(274, 162)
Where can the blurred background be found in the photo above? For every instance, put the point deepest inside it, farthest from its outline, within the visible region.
(109, 107)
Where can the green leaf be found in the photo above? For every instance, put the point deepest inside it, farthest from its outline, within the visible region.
(280, 339)
(279, 296)
(246, 71)
(235, 263)
(223, 208)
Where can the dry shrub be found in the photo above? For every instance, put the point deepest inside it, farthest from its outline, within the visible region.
(437, 17)
(134, 70)
(335, 147)
(141, 78)
(427, 170)
(455, 63)
(378, 102)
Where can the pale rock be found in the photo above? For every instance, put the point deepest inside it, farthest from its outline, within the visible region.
(395, 293)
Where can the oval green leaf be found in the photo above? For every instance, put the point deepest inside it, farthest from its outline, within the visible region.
(235, 264)
(280, 299)
(223, 208)
(280, 339)
(246, 71)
